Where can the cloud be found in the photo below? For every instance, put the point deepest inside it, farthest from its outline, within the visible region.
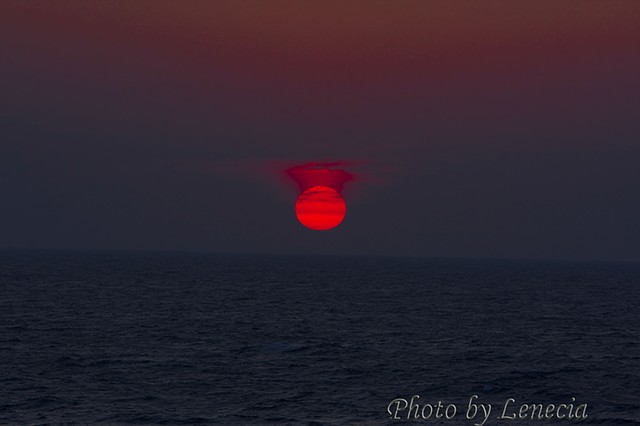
(320, 174)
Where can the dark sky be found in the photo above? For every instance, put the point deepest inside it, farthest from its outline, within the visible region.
(483, 129)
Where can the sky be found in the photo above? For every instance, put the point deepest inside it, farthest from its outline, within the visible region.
(472, 129)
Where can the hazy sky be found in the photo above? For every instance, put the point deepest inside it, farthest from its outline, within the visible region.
(485, 129)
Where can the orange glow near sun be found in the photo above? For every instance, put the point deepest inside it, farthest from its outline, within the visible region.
(320, 208)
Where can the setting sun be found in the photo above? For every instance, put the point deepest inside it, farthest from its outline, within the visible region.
(320, 208)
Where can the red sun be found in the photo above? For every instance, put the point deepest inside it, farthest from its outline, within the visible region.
(320, 208)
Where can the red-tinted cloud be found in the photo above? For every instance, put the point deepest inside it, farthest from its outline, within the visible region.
(320, 174)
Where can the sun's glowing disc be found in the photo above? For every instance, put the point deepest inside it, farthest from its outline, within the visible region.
(320, 208)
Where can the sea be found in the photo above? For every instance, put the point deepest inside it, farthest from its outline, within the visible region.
(119, 338)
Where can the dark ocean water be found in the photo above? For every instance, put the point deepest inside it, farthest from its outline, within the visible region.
(121, 338)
